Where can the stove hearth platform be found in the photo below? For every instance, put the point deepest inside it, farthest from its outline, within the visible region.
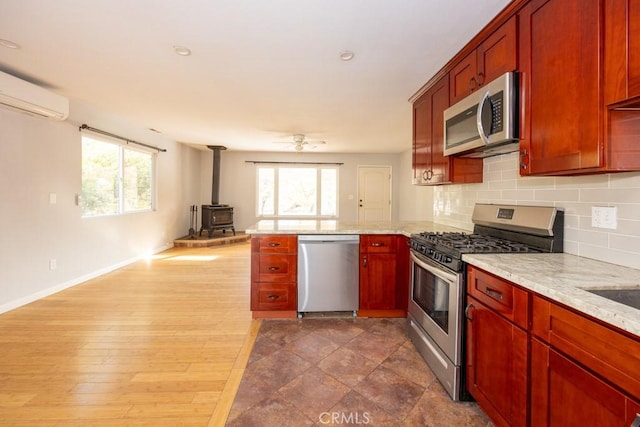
(217, 239)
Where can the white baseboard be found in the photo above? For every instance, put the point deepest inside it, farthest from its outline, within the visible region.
(73, 282)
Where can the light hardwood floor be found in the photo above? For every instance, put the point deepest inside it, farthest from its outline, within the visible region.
(159, 342)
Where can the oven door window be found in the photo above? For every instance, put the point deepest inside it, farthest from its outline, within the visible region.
(431, 293)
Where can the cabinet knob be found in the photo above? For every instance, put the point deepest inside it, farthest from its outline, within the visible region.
(274, 244)
(364, 261)
(272, 297)
(273, 268)
(377, 244)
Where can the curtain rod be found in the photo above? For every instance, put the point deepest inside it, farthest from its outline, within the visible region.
(127, 140)
(268, 162)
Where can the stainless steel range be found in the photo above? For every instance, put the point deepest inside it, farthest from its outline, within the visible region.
(438, 278)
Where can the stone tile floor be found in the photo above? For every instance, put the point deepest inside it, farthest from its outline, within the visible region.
(342, 371)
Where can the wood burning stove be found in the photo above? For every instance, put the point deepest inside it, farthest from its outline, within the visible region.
(216, 216)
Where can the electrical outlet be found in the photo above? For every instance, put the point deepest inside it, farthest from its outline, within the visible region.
(53, 264)
(53, 198)
(604, 217)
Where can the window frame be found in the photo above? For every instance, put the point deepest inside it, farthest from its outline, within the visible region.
(276, 189)
(123, 147)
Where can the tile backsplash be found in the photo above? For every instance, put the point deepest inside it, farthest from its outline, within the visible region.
(453, 205)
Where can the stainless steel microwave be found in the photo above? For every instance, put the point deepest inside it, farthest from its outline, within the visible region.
(485, 123)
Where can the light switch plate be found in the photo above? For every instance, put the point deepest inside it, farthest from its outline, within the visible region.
(604, 217)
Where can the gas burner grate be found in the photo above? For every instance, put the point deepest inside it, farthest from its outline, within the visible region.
(466, 243)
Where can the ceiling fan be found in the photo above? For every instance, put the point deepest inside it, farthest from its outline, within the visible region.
(299, 142)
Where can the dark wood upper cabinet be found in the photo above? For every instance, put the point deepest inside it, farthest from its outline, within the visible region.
(622, 52)
(494, 56)
(575, 59)
(561, 127)
(578, 64)
(430, 165)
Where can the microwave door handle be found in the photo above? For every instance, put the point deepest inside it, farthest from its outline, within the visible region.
(483, 105)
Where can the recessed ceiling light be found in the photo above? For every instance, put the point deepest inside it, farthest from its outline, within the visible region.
(346, 55)
(182, 51)
(9, 44)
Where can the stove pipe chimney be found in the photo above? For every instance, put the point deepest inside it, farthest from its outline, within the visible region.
(215, 179)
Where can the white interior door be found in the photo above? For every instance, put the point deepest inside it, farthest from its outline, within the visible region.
(374, 193)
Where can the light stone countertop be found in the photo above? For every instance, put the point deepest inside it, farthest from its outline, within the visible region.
(310, 226)
(564, 278)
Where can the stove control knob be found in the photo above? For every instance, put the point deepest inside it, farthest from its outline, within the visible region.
(448, 259)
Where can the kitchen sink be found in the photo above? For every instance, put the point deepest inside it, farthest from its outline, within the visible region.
(630, 297)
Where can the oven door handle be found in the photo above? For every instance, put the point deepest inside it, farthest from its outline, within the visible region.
(433, 269)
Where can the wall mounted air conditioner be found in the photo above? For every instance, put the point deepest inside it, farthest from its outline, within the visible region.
(27, 97)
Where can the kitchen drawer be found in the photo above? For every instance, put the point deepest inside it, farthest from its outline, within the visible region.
(268, 296)
(378, 243)
(274, 268)
(500, 295)
(605, 351)
(275, 243)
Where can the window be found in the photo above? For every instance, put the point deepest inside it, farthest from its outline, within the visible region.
(116, 179)
(297, 191)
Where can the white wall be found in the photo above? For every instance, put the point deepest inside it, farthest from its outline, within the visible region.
(238, 180)
(576, 195)
(39, 157)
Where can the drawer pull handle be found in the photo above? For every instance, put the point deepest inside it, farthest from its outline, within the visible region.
(636, 421)
(493, 293)
(274, 268)
(272, 297)
(274, 244)
(377, 244)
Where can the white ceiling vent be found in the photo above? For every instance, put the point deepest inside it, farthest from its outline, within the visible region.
(27, 97)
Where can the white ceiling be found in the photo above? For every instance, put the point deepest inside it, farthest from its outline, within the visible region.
(260, 70)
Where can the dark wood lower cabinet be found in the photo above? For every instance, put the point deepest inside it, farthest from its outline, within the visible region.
(534, 362)
(384, 275)
(565, 394)
(497, 365)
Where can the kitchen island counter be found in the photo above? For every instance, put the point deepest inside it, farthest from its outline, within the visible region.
(405, 228)
(566, 279)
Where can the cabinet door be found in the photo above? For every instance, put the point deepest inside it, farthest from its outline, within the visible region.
(421, 138)
(634, 47)
(497, 54)
(463, 78)
(559, 57)
(565, 394)
(440, 165)
(377, 281)
(497, 365)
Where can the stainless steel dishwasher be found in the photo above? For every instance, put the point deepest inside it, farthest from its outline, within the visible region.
(328, 273)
